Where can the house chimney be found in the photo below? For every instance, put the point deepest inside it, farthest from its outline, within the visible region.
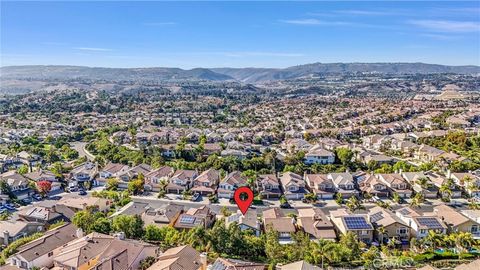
(79, 233)
(203, 261)
(6, 236)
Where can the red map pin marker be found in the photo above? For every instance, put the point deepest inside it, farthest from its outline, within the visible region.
(243, 197)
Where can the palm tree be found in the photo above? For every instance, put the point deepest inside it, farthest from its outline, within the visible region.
(445, 192)
(381, 233)
(463, 240)
(417, 200)
(354, 204)
(433, 240)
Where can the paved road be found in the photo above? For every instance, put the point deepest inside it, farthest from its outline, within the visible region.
(327, 207)
(82, 152)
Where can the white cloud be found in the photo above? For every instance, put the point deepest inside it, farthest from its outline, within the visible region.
(447, 26)
(92, 49)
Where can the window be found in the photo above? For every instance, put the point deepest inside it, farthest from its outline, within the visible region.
(363, 232)
(423, 231)
(474, 229)
(402, 230)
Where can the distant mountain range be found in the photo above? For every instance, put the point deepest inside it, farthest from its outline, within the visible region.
(248, 75)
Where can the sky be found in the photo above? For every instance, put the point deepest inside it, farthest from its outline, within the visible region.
(238, 34)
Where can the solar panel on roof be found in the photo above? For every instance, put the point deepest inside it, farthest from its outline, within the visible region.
(430, 222)
(376, 217)
(356, 223)
(404, 211)
(187, 219)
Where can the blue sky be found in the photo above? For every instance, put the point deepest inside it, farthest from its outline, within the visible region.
(238, 34)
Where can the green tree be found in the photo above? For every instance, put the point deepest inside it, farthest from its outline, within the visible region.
(84, 220)
(132, 226)
(102, 225)
(345, 155)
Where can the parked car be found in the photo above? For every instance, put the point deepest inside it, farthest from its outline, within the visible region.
(9, 207)
(37, 197)
(195, 197)
(285, 205)
(82, 192)
(27, 200)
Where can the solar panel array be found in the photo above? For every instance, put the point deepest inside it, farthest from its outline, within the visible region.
(187, 219)
(430, 222)
(376, 217)
(357, 223)
(404, 211)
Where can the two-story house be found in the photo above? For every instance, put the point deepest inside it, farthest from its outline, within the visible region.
(373, 186)
(181, 181)
(268, 186)
(388, 227)
(344, 184)
(154, 179)
(206, 183)
(321, 185)
(319, 156)
(230, 183)
(275, 219)
(396, 184)
(293, 186)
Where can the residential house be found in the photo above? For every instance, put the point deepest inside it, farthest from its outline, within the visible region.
(182, 257)
(44, 175)
(428, 153)
(319, 156)
(101, 251)
(293, 186)
(206, 183)
(421, 184)
(374, 186)
(356, 223)
(166, 215)
(468, 181)
(13, 230)
(230, 183)
(195, 217)
(344, 184)
(275, 219)
(321, 185)
(18, 184)
(233, 264)
(316, 224)
(132, 173)
(268, 186)
(239, 154)
(82, 173)
(439, 180)
(154, 179)
(41, 251)
(112, 170)
(42, 214)
(249, 221)
(388, 226)
(300, 265)
(181, 180)
(396, 184)
(83, 203)
(420, 225)
(456, 221)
